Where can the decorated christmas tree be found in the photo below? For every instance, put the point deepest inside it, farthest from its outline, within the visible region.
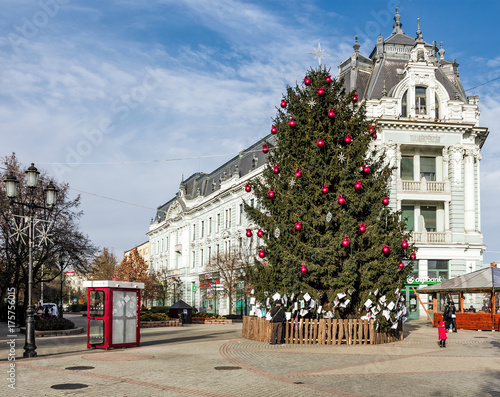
(331, 243)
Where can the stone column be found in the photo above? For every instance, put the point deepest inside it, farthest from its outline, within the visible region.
(469, 192)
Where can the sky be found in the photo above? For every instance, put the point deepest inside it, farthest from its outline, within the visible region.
(122, 98)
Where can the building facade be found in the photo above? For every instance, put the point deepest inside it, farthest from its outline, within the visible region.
(429, 129)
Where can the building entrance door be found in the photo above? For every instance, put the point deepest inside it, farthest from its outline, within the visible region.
(412, 305)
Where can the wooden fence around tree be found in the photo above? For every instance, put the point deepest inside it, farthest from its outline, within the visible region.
(321, 332)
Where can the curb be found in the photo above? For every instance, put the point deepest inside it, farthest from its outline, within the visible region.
(74, 331)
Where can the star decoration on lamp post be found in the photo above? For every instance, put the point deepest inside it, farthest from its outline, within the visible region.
(319, 54)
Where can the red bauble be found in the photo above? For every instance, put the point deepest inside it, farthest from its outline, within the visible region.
(262, 254)
(348, 138)
(307, 81)
(355, 98)
(331, 113)
(362, 227)
(345, 242)
(386, 250)
(404, 243)
(385, 200)
(276, 169)
(260, 233)
(303, 268)
(292, 123)
(328, 79)
(298, 173)
(374, 136)
(321, 91)
(249, 232)
(413, 256)
(371, 128)
(401, 265)
(324, 189)
(264, 148)
(366, 169)
(283, 103)
(321, 142)
(274, 130)
(248, 188)
(358, 185)
(341, 200)
(298, 226)
(270, 193)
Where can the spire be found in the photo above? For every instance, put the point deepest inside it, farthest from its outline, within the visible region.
(356, 45)
(384, 91)
(420, 39)
(441, 51)
(397, 25)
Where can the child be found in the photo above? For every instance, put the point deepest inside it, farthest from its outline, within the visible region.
(442, 334)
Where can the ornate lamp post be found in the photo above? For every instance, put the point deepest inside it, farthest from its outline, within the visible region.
(11, 184)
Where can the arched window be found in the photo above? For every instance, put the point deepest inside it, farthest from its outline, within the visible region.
(436, 106)
(404, 105)
(420, 100)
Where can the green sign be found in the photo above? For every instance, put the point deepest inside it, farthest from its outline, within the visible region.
(194, 288)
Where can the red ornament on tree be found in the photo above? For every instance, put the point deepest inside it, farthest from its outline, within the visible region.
(262, 254)
(328, 79)
(386, 250)
(249, 232)
(270, 193)
(321, 142)
(274, 130)
(404, 243)
(374, 136)
(321, 91)
(283, 103)
(298, 173)
(324, 189)
(276, 169)
(413, 256)
(307, 81)
(401, 265)
(358, 185)
(371, 128)
(292, 123)
(303, 268)
(366, 169)
(345, 242)
(248, 188)
(298, 226)
(260, 233)
(348, 138)
(385, 200)
(264, 148)
(362, 227)
(355, 98)
(341, 200)
(331, 113)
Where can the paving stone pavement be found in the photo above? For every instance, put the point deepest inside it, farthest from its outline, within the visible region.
(233, 366)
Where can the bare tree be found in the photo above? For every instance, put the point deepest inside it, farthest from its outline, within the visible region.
(227, 265)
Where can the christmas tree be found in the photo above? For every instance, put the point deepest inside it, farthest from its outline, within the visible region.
(329, 233)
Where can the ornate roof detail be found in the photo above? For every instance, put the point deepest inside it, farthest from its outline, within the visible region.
(419, 39)
(441, 51)
(356, 45)
(397, 25)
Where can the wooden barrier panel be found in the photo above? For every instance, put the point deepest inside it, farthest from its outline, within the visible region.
(322, 331)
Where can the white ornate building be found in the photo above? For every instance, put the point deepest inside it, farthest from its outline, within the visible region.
(430, 130)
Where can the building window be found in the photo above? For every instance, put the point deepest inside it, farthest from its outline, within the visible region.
(429, 215)
(437, 268)
(218, 223)
(404, 105)
(201, 257)
(209, 254)
(229, 217)
(436, 107)
(194, 259)
(202, 231)
(240, 220)
(209, 226)
(407, 168)
(428, 168)
(420, 100)
(408, 216)
(194, 232)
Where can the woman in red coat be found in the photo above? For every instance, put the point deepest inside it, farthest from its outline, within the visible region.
(442, 334)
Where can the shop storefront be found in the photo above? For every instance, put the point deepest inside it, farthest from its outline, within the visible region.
(210, 292)
(413, 303)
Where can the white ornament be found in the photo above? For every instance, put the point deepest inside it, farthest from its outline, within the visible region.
(329, 216)
(277, 232)
(292, 183)
(311, 103)
(341, 157)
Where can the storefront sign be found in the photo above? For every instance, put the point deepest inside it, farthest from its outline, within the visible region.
(423, 280)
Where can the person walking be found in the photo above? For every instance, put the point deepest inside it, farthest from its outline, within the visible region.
(277, 318)
(442, 330)
(452, 312)
(446, 315)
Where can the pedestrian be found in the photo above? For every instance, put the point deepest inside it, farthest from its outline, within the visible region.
(446, 314)
(442, 330)
(277, 318)
(453, 316)
(47, 313)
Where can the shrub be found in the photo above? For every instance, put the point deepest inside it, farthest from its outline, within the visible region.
(160, 309)
(149, 316)
(208, 315)
(54, 324)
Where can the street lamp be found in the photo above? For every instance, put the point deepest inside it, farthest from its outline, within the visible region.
(11, 184)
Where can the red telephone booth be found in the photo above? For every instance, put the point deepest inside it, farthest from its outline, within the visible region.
(113, 310)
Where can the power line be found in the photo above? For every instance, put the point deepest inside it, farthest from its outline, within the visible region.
(489, 81)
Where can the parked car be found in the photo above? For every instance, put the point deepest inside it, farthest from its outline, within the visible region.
(51, 308)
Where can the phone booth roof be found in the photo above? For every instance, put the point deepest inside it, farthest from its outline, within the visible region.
(112, 284)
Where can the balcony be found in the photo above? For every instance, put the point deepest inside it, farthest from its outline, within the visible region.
(431, 238)
(424, 186)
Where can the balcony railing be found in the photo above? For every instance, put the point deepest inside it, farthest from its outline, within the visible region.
(424, 186)
(431, 238)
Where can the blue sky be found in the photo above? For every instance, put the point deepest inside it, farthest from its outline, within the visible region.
(130, 81)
